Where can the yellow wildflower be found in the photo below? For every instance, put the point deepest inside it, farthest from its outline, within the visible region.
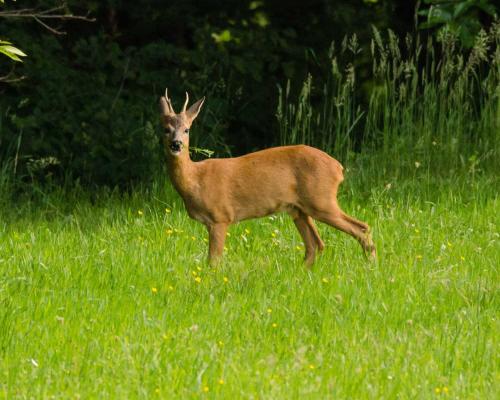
(437, 390)
(225, 279)
(169, 231)
(325, 280)
(247, 231)
(168, 210)
(311, 366)
(197, 279)
(221, 381)
(154, 290)
(140, 212)
(205, 389)
(275, 325)
(269, 310)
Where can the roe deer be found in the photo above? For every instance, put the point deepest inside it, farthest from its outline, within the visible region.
(301, 180)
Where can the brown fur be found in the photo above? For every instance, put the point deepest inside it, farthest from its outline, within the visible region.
(300, 180)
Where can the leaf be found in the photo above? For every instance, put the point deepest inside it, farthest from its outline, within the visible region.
(223, 37)
(10, 55)
(261, 19)
(254, 5)
(14, 50)
(462, 8)
(197, 150)
(10, 51)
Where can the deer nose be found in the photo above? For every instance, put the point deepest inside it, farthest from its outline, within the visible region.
(176, 145)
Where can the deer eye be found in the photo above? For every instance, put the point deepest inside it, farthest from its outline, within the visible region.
(186, 131)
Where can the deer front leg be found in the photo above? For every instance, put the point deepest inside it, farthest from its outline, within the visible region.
(216, 239)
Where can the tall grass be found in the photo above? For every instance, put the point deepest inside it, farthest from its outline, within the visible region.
(433, 105)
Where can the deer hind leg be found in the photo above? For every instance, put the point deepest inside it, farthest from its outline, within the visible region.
(358, 229)
(216, 239)
(319, 243)
(301, 222)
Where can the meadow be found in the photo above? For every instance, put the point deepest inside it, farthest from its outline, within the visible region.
(107, 293)
(109, 296)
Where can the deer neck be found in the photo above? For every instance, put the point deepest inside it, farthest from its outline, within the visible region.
(180, 170)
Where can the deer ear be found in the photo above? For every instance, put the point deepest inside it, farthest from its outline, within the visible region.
(193, 111)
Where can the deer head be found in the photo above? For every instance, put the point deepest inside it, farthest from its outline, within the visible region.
(176, 138)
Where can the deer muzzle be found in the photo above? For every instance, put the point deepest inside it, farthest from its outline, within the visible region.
(175, 146)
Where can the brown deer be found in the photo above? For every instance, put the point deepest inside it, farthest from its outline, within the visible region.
(301, 180)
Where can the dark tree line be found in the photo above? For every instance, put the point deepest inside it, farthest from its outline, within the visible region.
(84, 102)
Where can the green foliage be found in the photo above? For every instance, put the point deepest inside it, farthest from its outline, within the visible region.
(63, 121)
(460, 18)
(10, 51)
(83, 106)
(89, 99)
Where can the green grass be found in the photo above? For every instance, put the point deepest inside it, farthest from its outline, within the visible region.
(99, 300)
(109, 296)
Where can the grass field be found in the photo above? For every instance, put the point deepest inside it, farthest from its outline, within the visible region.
(110, 297)
(106, 295)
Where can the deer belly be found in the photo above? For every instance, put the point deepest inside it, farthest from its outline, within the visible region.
(259, 206)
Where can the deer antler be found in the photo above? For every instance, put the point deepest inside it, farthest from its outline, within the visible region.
(169, 103)
(185, 103)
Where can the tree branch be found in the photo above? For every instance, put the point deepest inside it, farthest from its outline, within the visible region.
(39, 15)
(10, 77)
